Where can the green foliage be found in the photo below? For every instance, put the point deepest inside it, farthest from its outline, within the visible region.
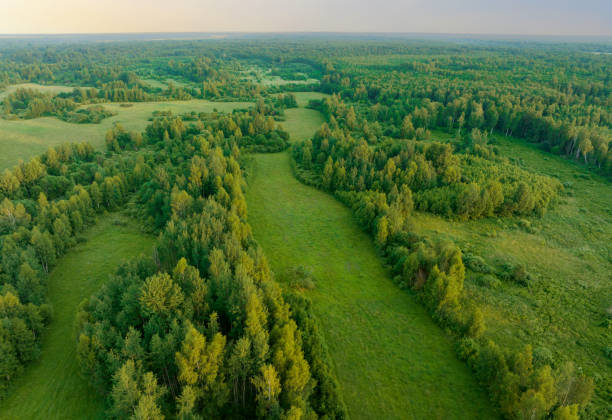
(75, 276)
(90, 115)
(555, 96)
(362, 314)
(301, 278)
(161, 324)
(542, 96)
(471, 185)
(31, 241)
(476, 263)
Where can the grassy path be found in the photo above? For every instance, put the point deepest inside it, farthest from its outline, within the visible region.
(51, 387)
(391, 359)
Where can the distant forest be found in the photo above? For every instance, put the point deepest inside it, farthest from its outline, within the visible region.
(202, 329)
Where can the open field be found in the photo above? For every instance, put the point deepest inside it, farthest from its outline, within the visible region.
(569, 253)
(392, 361)
(304, 97)
(24, 139)
(44, 88)
(163, 84)
(302, 122)
(264, 77)
(51, 387)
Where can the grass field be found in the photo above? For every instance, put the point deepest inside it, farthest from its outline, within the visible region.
(299, 122)
(392, 361)
(44, 88)
(303, 98)
(264, 77)
(51, 387)
(154, 83)
(302, 122)
(24, 139)
(566, 311)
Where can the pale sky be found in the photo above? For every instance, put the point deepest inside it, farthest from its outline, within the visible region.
(530, 17)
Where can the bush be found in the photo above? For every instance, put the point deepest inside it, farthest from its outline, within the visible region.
(542, 356)
(476, 263)
(91, 115)
(489, 281)
(515, 273)
(467, 348)
(301, 278)
(526, 226)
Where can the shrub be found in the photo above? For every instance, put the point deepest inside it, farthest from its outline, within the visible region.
(542, 356)
(526, 226)
(476, 263)
(515, 273)
(301, 278)
(489, 281)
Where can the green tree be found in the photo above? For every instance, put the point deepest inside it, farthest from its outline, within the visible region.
(268, 387)
(160, 295)
(125, 392)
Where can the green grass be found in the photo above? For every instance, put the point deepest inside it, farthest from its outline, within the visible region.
(24, 139)
(304, 97)
(567, 308)
(392, 361)
(51, 387)
(44, 88)
(300, 121)
(154, 83)
(264, 78)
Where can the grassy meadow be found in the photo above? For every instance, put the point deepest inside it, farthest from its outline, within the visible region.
(51, 387)
(263, 77)
(565, 311)
(24, 139)
(392, 361)
(163, 84)
(302, 122)
(54, 89)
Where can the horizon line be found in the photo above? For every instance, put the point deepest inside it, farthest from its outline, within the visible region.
(493, 34)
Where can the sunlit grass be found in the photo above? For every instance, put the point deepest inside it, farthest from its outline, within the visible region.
(51, 387)
(24, 139)
(392, 361)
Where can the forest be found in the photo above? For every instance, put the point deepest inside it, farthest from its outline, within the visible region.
(479, 173)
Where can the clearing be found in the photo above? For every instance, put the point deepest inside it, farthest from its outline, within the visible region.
(51, 387)
(392, 361)
(565, 311)
(54, 89)
(24, 139)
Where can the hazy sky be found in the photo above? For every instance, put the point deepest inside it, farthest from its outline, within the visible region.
(541, 17)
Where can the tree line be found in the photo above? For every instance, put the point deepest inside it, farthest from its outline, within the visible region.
(570, 116)
(201, 329)
(45, 205)
(438, 180)
(383, 184)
